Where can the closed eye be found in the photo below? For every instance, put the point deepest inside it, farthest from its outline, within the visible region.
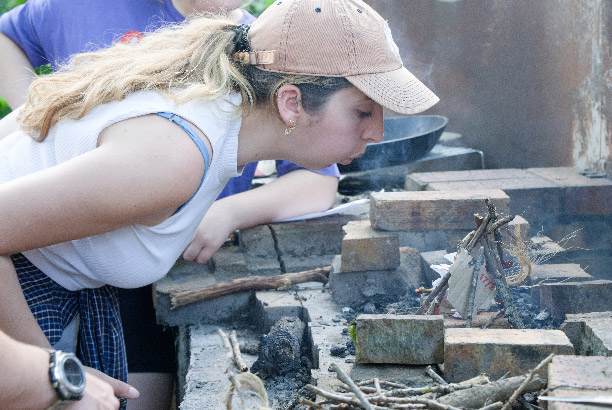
(364, 114)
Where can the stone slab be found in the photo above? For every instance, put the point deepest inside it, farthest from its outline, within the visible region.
(593, 376)
(478, 321)
(364, 248)
(469, 352)
(590, 333)
(377, 286)
(555, 273)
(576, 297)
(399, 339)
(431, 210)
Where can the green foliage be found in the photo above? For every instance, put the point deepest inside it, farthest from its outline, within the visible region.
(352, 331)
(256, 7)
(6, 5)
(4, 108)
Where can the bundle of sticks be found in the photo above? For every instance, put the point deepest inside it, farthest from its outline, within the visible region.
(476, 393)
(487, 226)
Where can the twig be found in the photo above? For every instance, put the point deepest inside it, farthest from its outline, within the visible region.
(433, 294)
(310, 404)
(499, 223)
(527, 380)
(436, 302)
(435, 376)
(500, 283)
(229, 369)
(351, 384)
(377, 386)
(240, 364)
(493, 406)
(489, 322)
(478, 234)
(479, 263)
(339, 398)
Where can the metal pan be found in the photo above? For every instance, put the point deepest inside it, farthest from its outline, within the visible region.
(405, 140)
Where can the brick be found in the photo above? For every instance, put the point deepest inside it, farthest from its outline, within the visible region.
(431, 210)
(583, 195)
(258, 241)
(469, 352)
(576, 297)
(321, 236)
(399, 339)
(531, 195)
(592, 373)
(590, 333)
(364, 248)
(556, 272)
(377, 286)
(543, 249)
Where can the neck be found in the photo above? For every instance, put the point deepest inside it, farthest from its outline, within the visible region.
(261, 137)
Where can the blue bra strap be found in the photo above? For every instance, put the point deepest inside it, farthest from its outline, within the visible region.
(198, 141)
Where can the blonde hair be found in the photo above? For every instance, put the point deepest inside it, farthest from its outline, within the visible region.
(191, 59)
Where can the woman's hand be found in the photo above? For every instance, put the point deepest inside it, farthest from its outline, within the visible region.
(98, 395)
(118, 388)
(213, 231)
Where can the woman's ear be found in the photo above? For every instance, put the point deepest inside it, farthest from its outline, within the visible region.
(289, 103)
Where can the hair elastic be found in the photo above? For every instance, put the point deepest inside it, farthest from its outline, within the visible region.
(241, 40)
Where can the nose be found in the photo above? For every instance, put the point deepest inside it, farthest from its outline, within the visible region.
(375, 126)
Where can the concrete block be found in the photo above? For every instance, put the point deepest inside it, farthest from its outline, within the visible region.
(302, 263)
(590, 333)
(432, 258)
(321, 236)
(517, 229)
(424, 241)
(583, 195)
(554, 273)
(399, 339)
(231, 263)
(469, 352)
(188, 275)
(545, 250)
(590, 375)
(377, 286)
(364, 248)
(431, 210)
(258, 241)
(576, 297)
(585, 233)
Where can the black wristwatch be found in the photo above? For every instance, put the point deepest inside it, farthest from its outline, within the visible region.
(67, 377)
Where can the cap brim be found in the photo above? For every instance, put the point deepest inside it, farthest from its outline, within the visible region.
(399, 90)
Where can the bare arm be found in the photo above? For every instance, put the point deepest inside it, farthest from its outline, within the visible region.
(143, 169)
(296, 193)
(25, 382)
(16, 72)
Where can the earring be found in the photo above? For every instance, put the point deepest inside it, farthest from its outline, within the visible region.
(290, 127)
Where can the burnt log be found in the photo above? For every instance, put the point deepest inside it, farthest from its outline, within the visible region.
(280, 350)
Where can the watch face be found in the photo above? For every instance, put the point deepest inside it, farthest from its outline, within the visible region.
(74, 374)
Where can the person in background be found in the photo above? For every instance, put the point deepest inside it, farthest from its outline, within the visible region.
(25, 380)
(49, 32)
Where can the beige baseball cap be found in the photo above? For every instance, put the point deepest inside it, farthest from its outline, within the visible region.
(338, 38)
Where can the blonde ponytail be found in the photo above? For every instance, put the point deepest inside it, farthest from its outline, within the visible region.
(192, 59)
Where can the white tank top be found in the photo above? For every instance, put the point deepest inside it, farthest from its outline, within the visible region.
(136, 255)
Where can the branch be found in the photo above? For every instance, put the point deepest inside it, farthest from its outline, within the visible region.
(247, 283)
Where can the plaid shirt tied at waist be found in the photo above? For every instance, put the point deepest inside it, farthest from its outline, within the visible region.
(101, 344)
